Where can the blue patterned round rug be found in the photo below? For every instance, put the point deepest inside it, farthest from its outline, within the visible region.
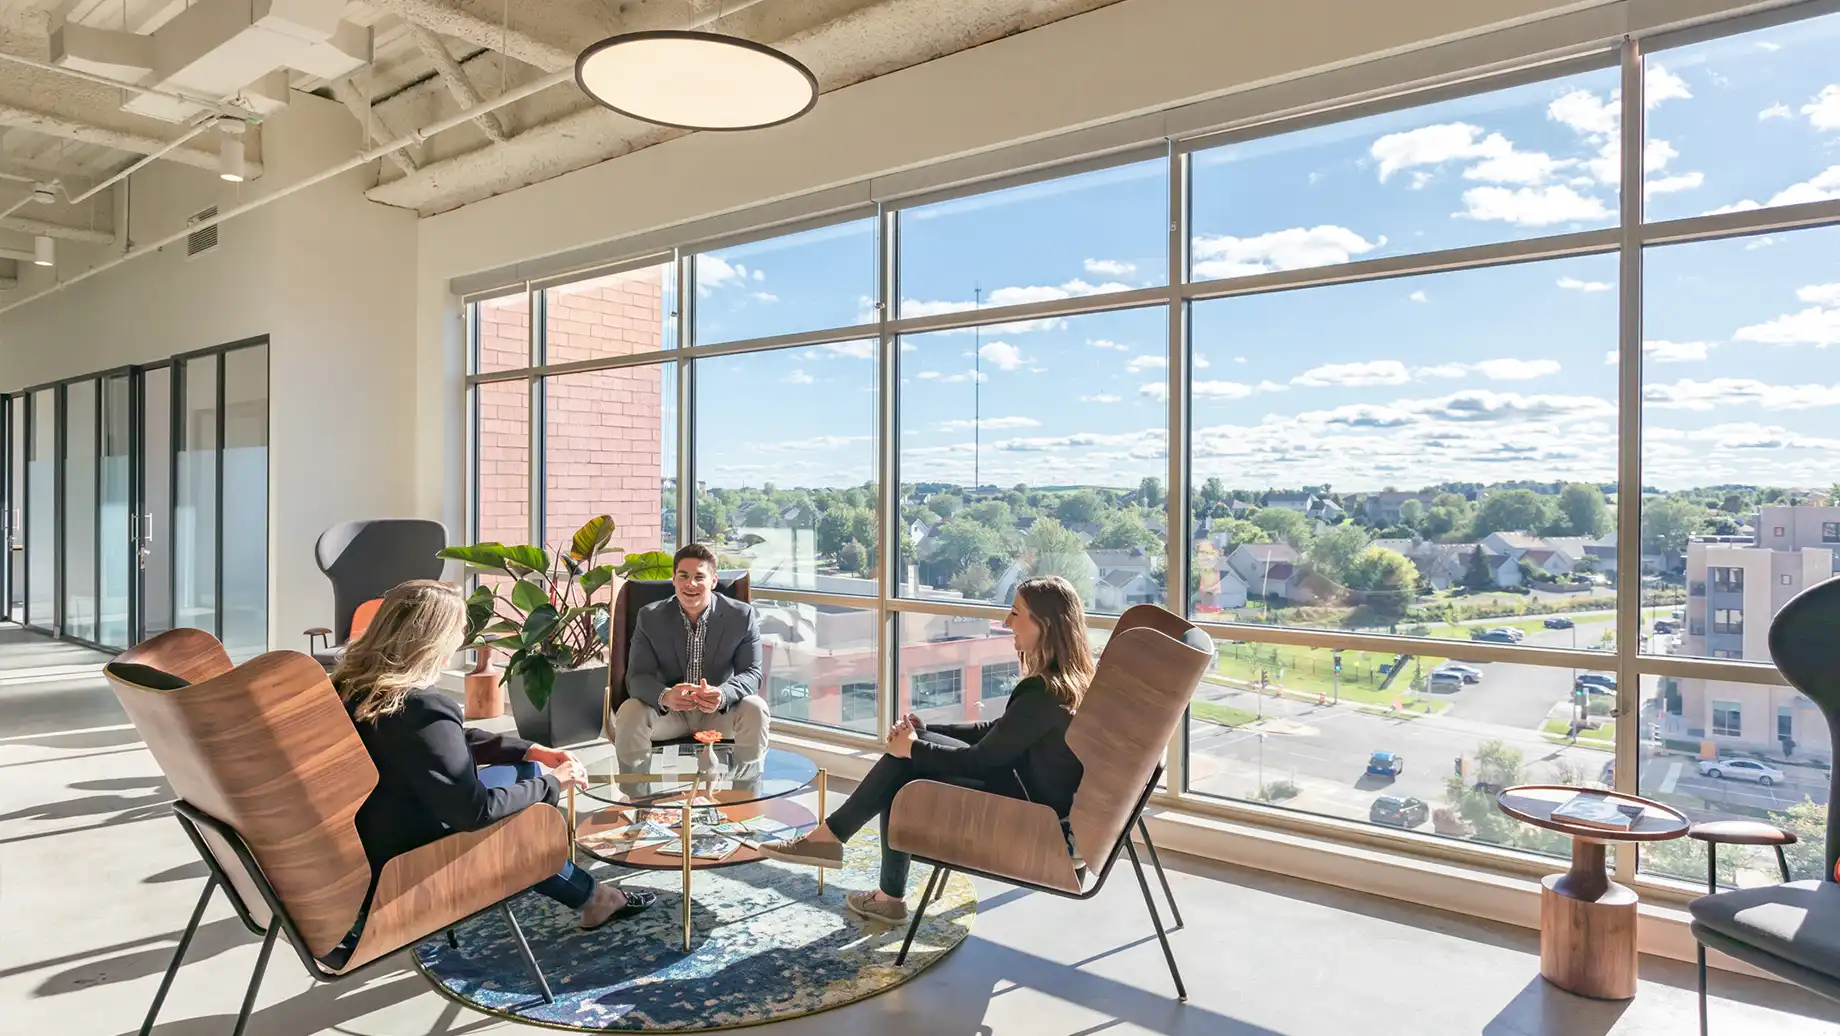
(765, 947)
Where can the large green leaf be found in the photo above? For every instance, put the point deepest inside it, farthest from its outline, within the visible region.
(480, 555)
(501, 626)
(527, 597)
(592, 537)
(653, 564)
(595, 578)
(478, 611)
(537, 676)
(534, 558)
(541, 624)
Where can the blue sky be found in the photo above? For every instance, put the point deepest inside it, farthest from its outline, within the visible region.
(1481, 375)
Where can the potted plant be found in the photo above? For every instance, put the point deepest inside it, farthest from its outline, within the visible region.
(548, 621)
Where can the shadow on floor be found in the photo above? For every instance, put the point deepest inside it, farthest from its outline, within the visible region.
(211, 939)
(1541, 1009)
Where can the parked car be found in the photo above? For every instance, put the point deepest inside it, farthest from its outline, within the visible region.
(1510, 631)
(1596, 683)
(1394, 811)
(1443, 681)
(1469, 673)
(1386, 764)
(1666, 626)
(1493, 637)
(1559, 622)
(1740, 770)
(1607, 778)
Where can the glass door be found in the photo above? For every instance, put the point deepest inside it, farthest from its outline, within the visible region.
(12, 487)
(41, 508)
(116, 542)
(154, 528)
(195, 510)
(80, 479)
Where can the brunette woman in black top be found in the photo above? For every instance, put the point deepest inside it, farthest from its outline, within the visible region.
(1022, 753)
(435, 775)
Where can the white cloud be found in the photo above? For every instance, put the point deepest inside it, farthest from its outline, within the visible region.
(799, 377)
(1661, 85)
(989, 422)
(1818, 325)
(1766, 45)
(1139, 364)
(1531, 206)
(1294, 249)
(1671, 352)
(1221, 390)
(1103, 397)
(1106, 343)
(1677, 182)
(1719, 393)
(1110, 268)
(763, 296)
(1585, 113)
(1155, 390)
(1820, 294)
(1467, 407)
(1239, 359)
(1435, 145)
(1419, 180)
(759, 274)
(1272, 386)
(1823, 186)
(928, 375)
(816, 442)
(1006, 356)
(1494, 370)
(1352, 375)
(1756, 243)
(1520, 167)
(1574, 284)
(1418, 296)
(1202, 363)
(1824, 111)
(859, 350)
(1776, 111)
(714, 272)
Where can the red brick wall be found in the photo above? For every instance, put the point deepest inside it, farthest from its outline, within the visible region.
(503, 480)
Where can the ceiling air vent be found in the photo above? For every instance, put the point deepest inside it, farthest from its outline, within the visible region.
(202, 240)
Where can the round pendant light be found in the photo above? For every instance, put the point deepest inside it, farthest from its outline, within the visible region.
(696, 80)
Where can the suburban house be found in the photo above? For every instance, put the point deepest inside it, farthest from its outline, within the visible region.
(1307, 504)
(1383, 508)
(1124, 579)
(1263, 567)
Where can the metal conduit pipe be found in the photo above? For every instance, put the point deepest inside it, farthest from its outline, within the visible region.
(363, 158)
(144, 162)
(219, 107)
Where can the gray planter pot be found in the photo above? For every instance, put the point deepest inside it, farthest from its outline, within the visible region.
(572, 716)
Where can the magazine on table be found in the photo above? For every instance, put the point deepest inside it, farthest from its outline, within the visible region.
(629, 837)
(709, 846)
(754, 831)
(1594, 811)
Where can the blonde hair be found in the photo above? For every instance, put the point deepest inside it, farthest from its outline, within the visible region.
(419, 625)
(1062, 658)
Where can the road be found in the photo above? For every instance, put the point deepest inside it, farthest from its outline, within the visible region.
(1324, 748)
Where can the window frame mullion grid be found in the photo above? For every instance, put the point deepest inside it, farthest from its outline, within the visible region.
(686, 399)
(1175, 444)
(888, 469)
(1628, 620)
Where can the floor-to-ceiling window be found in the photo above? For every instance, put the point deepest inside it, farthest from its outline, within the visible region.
(79, 509)
(41, 508)
(195, 514)
(1367, 395)
(16, 508)
(115, 547)
(244, 491)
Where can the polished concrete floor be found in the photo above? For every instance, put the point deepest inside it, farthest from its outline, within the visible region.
(96, 882)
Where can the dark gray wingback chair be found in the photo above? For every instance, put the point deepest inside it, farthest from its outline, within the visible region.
(364, 560)
(1790, 930)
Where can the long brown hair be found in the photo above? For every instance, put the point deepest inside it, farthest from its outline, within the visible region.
(1061, 657)
(418, 627)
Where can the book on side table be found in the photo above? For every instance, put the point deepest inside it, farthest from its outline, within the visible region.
(1594, 811)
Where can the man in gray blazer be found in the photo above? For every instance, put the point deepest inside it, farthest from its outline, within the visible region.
(694, 665)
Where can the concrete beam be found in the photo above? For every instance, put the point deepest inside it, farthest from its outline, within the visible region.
(64, 231)
(120, 139)
(367, 115)
(450, 20)
(435, 50)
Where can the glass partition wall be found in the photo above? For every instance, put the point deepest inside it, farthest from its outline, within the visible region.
(137, 500)
(1367, 398)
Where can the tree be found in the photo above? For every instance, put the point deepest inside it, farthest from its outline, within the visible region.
(1513, 510)
(1582, 511)
(1667, 523)
(1124, 530)
(1150, 492)
(1082, 505)
(1440, 522)
(959, 543)
(1388, 578)
(994, 513)
(1211, 492)
(975, 581)
(1238, 531)
(840, 525)
(853, 557)
(1279, 524)
(1477, 575)
(1411, 513)
(945, 505)
(1051, 549)
(1735, 503)
(1334, 552)
(1587, 565)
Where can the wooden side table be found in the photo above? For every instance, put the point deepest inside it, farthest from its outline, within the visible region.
(1587, 921)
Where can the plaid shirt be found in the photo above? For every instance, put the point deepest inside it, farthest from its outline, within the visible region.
(694, 635)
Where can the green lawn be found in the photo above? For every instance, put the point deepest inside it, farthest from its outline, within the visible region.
(1225, 715)
(1559, 730)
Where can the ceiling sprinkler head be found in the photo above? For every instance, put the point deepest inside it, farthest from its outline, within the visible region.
(44, 193)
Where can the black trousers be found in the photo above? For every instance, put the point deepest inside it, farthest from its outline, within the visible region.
(876, 793)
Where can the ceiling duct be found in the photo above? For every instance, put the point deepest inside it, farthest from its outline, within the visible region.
(222, 49)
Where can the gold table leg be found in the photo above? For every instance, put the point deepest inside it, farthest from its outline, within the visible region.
(686, 837)
(571, 824)
(823, 785)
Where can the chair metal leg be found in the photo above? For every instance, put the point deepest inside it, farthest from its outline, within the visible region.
(914, 925)
(1155, 861)
(255, 980)
(1782, 861)
(453, 941)
(1157, 920)
(172, 970)
(1702, 989)
(530, 960)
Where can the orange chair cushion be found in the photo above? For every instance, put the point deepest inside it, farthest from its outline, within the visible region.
(361, 618)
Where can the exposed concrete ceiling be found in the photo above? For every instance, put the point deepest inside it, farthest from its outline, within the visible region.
(428, 60)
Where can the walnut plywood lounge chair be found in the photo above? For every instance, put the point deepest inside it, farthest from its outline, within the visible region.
(1147, 674)
(635, 594)
(269, 774)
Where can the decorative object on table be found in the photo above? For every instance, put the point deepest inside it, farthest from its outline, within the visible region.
(1593, 809)
(363, 560)
(704, 846)
(1147, 675)
(485, 694)
(550, 627)
(1587, 921)
(1788, 930)
(734, 83)
(639, 590)
(766, 950)
(233, 741)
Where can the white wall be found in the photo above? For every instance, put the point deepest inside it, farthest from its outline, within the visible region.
(328, 276)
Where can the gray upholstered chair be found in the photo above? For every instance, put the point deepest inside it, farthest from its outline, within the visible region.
(1790, 930)
(364, 560)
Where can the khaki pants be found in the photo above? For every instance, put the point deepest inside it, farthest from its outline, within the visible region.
(637, 725)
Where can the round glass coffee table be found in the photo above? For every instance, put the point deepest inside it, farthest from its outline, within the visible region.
(689, 807)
